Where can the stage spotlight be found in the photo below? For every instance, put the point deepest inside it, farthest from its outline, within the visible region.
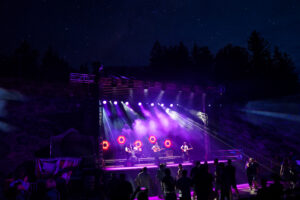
(115, 102)
(140, 104)
(121, 139)
(126, 103)
(138, 143)
(171, 105)
(162, 105)
(105, 145)
(104, 102)
(152, 139)
(168, 143)
(152, 104)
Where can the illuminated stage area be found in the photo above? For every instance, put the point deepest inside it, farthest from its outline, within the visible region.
(146, 123)
(132, 130)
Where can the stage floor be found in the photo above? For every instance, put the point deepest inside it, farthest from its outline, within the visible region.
(153, 166)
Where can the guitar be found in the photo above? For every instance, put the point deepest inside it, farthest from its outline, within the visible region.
(130, 150)
(185, 150)
(157, 149)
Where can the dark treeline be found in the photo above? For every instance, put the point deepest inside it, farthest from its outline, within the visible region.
(253, 72)
(26, 63)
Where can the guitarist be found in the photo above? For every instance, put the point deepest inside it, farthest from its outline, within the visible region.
(130, 153)
(185, 150)
(138, 152)
(156, 149)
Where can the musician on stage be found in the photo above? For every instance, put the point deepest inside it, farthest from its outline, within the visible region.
(129, 151)
(138, 152)
(185, 150)
(156, 150)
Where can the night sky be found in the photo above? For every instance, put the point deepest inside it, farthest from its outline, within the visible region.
(122, 32)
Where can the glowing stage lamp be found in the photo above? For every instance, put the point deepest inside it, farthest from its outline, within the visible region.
(121, 139)
(140, 103)
(126, 103)
(168, 143)
(138, 143)
(105, 145)
(171, 105)
(152, 139)
(104, 102)
(152, 104)
(162, 105)
(115, 102)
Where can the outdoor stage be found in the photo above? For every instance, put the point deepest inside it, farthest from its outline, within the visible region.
(139, 166)
(171, 161)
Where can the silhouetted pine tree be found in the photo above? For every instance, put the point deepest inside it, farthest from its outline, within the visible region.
(202, 62)
(260, 55)
(6, 68)
(231, 63)
(24, 61)
(53, 67)
(283, 72)
(156, 55)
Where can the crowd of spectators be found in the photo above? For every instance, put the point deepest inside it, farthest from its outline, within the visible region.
(201, 182)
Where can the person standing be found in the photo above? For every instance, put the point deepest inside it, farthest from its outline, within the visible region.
(156, 150)
(230, 173)
(169, 184)
(129, 151)
(194, 175)
(217, 176)
(203, 183)
(160, 175)
(185, 151)
(252, 171)
(179, 171)
(143, 179)
(184, 185)
(225, 183)
(124, 188)
(138, 152)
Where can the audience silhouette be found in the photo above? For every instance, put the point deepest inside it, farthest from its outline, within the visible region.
(169, 183)
(184, 185)
(201, 181)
